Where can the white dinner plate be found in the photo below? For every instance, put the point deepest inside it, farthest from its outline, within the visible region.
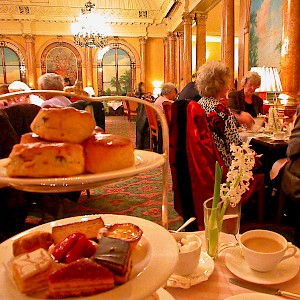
(283, 272)
(144, 161)
(160, 294)
(253, 296)
(154, 260)
(202, 273)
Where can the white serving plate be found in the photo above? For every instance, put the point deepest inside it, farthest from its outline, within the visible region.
(154, 260)
(144, 161)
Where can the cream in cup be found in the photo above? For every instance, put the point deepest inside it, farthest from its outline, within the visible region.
(263, 250)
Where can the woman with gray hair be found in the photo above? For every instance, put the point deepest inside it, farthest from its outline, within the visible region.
(244, 104)
(168, 92)
(52, 81)
(212, 84)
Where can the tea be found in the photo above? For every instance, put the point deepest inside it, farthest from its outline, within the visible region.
(262, 244)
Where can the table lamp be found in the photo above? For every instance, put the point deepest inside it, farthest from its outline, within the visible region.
(270, 81)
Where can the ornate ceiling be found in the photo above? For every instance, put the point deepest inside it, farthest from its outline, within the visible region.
(150, 18)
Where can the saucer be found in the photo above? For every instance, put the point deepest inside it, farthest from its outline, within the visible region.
(204, 269)
(253, 296)
(284, 271)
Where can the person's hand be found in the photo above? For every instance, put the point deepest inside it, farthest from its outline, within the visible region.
(245, 119)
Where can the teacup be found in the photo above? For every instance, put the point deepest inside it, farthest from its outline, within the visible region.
(188, 259)
(263, 250)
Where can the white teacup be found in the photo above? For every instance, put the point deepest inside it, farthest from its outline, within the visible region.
(264, 249)
(187, 260)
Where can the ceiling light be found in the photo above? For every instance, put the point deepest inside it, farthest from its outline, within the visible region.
(90, 29)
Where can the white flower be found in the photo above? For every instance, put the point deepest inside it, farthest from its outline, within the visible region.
(239, 174)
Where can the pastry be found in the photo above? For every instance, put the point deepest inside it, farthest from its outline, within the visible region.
(114, 254)
(31, 270)
(89, 227)
(63, 124)
(45, 160)
(107, 152)
(124, 231)
(80, 278)
(31, 242)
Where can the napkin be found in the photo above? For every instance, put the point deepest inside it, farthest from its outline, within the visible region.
(185, 282)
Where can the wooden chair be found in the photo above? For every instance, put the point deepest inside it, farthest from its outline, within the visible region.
(129, 109)
(167, 110)
(153, 128)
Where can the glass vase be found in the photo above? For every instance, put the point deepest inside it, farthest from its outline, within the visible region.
(222, 226)
(212, 227)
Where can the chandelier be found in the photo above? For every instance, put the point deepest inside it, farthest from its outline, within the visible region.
(89, 29)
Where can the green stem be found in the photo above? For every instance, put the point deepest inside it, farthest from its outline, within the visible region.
(213, 228)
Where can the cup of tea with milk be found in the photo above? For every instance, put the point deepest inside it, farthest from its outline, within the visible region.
(263, 250)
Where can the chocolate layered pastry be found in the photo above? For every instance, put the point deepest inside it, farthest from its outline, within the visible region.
(80, 278)
(114, 254)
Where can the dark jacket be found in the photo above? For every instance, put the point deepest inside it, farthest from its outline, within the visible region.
(236, 102)
(189, 92)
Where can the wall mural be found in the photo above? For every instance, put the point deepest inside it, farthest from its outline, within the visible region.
(265, 33)
(62, 61)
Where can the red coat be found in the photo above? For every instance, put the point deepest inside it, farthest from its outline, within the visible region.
(193, 154)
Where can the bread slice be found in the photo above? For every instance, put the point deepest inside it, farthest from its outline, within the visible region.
(90, 228)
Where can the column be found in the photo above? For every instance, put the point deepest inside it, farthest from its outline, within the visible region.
(31, 62)
(89, 66)
(179, 60)
(227, 46)
(201, 19)
(171, 66)
(290, 61)
(142, 41)
(166, 59)
(187, 51)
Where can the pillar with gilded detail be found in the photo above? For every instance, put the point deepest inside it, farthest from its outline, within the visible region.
(31, 62)
(290, 60)
(89, 66)
(142, 41)
(166, 59)
(227, 46)
(179, 60)
(201, 19)
(171, 66)
(187, 51)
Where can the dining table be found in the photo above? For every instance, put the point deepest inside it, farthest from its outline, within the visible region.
(217, 286)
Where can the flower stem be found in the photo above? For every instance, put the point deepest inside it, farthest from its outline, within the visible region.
(213, 228)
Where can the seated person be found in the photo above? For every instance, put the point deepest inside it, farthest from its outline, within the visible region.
(168, 92)
(52, 81)
(19, 86)
(189, 92)
(290, 182)
(244, 104)
(212, 83)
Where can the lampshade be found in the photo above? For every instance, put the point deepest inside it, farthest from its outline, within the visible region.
(270, 81)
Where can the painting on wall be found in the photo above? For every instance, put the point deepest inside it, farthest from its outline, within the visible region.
(62, 61)
(265, 33)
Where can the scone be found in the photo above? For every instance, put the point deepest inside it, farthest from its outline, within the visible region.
(107, 152)
(63, 124)
(45, 160)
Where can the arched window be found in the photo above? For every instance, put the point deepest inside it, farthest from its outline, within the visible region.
(116, 65)
(12, 66)
(63, 59)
